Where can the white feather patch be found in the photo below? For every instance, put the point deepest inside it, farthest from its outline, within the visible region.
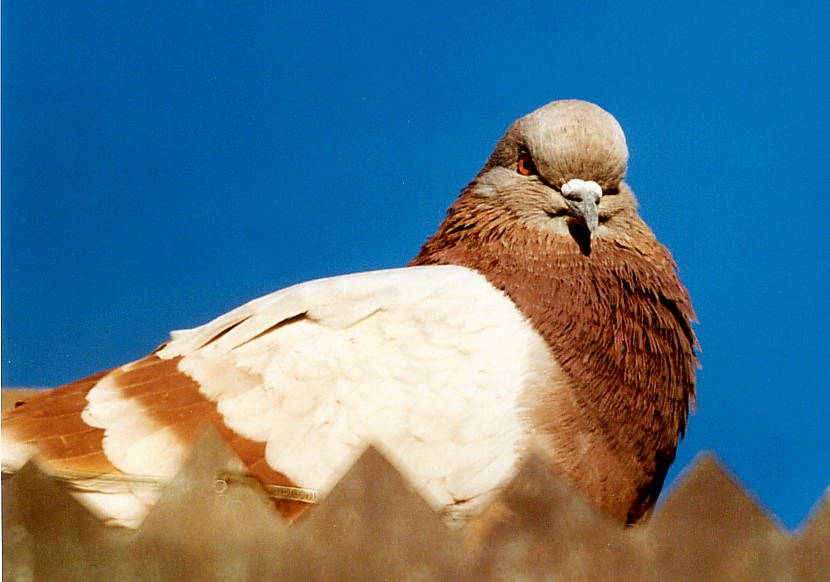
(125, 509)
(431, 362)
(133, 442)
(14, 453)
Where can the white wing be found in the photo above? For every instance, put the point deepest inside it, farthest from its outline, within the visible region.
(432, 363)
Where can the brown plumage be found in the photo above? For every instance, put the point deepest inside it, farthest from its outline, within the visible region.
(550, 223)
(608, 303)
(617, 320)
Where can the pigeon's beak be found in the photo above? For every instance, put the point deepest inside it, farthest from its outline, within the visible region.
(583, 200)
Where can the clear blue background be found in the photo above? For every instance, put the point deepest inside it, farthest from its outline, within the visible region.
(164, 162)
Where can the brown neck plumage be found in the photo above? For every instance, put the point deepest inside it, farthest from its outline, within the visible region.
(617, 320)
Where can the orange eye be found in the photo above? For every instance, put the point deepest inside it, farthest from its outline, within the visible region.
(525, 165)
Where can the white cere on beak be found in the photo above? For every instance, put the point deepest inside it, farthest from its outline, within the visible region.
(581, 189)
(583, 199)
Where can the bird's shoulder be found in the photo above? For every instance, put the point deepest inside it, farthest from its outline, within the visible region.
(452, 295)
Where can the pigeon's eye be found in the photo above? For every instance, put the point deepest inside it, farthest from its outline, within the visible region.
(525, 165)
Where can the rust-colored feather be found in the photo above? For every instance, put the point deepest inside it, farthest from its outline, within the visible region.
(53, 421)
(617, 320)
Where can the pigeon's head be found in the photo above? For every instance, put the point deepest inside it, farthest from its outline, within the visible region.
(561, 167)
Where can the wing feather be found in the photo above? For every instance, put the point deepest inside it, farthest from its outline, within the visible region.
(431, 363)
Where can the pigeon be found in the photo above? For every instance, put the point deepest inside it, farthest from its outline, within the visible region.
(543, 315)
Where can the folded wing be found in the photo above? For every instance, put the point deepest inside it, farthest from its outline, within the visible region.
(431, 363)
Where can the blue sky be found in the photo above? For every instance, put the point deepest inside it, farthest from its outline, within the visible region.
(163, 163)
